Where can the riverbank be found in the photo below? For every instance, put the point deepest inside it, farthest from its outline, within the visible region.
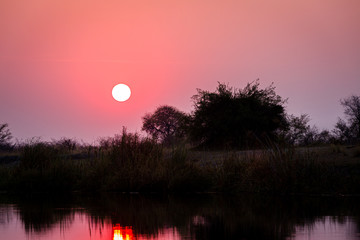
(130, 164)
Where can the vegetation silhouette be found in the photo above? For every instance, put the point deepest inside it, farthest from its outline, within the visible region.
(128, 163)
(167, 124)
(236, 117)
(226, 119)
(349, 131)
(5, 137)
(299, 133)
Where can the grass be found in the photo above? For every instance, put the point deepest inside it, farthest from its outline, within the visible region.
(129, 163)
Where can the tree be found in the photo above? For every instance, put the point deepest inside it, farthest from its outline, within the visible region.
(349, 130)
(5, 136)
(66, 144)
(343, 132)
(166, 124)
(234, 118)
(299, 132)
(325, 137)
(297, 129)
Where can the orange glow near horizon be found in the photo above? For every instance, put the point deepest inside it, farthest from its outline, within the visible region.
(122, 233)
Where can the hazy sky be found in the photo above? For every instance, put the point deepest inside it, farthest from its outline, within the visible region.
(59, 59)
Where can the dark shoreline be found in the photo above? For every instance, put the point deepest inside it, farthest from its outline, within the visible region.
(143, 166)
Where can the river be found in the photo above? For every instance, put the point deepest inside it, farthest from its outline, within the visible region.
(172, 217)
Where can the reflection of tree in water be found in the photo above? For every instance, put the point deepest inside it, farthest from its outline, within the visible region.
(146, 214)
(6, 214)
(268, 218)
(198, 216)
(41, 213)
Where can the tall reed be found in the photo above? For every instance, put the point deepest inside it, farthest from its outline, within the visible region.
(128, 163)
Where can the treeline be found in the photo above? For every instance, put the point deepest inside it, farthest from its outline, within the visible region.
(231, 118)
(246, 118)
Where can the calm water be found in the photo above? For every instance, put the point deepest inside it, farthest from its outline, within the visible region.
(115, 217)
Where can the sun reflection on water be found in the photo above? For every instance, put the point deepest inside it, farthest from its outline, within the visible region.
(122, 233)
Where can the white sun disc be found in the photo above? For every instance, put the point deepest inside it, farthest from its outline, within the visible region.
(121, 92)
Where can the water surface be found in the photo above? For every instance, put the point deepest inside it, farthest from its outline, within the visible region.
(123, 216)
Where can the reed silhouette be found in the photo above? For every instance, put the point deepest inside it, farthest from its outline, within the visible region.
(130, 163)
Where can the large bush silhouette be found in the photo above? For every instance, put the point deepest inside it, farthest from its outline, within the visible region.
(236, 117)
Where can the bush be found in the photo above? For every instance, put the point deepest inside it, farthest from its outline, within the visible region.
(236, 118)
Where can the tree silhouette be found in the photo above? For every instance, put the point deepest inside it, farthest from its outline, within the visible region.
(166, 124)
(299, 132)
(5, 136)
(233, 118)
(349, 130)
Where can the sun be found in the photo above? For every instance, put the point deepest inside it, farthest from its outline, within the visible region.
(121, 92)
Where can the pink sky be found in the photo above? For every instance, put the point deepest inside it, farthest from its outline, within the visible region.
(60, 59)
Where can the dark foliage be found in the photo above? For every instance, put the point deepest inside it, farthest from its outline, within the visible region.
(5, 137)
(299, 133)
(349, 131)
(129, 163)
(166, 124)
(296, 130)
(236, 118)
(66, 144)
